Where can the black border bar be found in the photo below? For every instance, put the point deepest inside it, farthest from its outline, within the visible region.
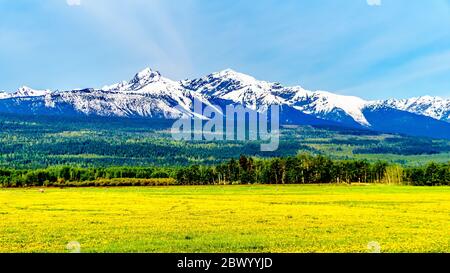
(227, 262)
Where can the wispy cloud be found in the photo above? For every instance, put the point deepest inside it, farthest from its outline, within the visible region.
(153, 37)
(374, 2)
(73, 2)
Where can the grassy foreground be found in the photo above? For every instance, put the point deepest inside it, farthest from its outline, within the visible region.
(294, 218)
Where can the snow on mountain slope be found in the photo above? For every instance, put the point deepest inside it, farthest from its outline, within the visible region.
(4, 95)
(25, 91)
(435, 107)
(122, 104)
(144, 78)
(22, 92)
(236, 87)
(324, 104)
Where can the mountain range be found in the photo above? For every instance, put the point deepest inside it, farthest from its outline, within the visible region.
(150, 95)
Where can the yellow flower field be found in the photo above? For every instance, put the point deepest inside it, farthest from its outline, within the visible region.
(291, 218)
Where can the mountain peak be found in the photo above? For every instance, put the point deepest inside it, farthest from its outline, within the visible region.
(427, 97)
(229, 71)
(24, 88)
(26, 91)
(146, 75)
(140, 79)
(234, 75)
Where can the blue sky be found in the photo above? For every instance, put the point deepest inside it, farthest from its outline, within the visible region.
(369, 48)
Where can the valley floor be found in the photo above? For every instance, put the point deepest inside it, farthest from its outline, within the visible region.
(262, 218)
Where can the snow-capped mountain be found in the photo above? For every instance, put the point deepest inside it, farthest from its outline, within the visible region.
(146, 95)
(239, 88)
(246, 90)
(25, 91)
(149, 94)
(435, 107)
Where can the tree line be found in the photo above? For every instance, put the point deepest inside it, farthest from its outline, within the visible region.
(309, 169)
(300, 169)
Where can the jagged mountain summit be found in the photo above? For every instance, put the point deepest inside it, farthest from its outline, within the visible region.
(150, 95)
(237, 88)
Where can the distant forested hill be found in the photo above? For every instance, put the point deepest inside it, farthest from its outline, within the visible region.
(36, 142)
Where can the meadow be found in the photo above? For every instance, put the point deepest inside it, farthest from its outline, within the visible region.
(239, 218)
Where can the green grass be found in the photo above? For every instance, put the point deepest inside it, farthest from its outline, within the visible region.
(294, 218)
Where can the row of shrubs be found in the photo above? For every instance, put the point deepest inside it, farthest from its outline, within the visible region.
(114, 182)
